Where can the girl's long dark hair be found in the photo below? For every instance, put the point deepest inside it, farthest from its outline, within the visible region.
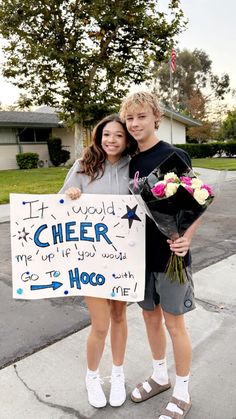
(93, 159)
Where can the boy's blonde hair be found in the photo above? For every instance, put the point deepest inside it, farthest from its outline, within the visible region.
(139, 99)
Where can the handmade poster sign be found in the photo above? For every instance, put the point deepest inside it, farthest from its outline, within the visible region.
(92, 246)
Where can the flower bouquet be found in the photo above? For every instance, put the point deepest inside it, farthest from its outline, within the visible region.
(174, 198)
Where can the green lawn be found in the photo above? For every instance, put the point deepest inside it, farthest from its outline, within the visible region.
(222, 163)
(31, 181)
(50, 180)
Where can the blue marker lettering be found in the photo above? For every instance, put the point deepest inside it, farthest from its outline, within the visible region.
(70, 231)
(57, 233)
(36, 236)
(83, 231)
(101, 230)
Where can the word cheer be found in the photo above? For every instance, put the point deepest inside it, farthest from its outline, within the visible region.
(60, 233)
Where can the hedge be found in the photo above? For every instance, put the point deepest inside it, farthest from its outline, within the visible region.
(198, 151)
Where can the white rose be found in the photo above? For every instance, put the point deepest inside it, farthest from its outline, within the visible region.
(170, 175)
(200, 195)
(171, 189)
(196, 183)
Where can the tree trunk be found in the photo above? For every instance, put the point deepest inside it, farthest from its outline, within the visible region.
(78, 140)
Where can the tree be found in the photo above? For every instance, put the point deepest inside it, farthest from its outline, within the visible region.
(229, 125)
(194, 84)
(81, 56)
(201, 134)
(56, 153)
(196, 105)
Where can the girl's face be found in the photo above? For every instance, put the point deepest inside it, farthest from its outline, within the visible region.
(114, 141)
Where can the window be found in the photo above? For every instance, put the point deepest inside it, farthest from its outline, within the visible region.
(26, 135)
(42, 134)
(7, 136)
(34, 135)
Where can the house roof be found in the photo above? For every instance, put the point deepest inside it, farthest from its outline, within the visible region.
(186, 120)
(51, 120)
(28, 119)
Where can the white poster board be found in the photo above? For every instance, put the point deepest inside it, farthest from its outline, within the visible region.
(92, 246)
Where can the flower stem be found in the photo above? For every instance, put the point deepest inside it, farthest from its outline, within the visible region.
(175, 269)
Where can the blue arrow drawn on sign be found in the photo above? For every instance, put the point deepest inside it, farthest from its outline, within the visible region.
(54, 285)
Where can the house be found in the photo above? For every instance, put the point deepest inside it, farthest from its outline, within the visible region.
(22, 132)
(174, 124)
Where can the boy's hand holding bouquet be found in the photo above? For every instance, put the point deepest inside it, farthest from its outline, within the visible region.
(174, 198)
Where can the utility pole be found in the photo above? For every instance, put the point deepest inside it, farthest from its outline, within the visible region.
(172, 68)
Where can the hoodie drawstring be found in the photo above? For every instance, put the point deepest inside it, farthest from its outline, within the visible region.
(117, 181)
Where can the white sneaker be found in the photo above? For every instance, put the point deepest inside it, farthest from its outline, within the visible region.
(96, 396)
(117, 393)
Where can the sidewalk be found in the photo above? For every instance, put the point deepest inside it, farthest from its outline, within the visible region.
(4, 213)
(50, 383)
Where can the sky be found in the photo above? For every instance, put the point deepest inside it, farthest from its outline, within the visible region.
(211, 27)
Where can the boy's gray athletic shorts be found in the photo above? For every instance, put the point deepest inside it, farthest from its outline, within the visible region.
(173, 297)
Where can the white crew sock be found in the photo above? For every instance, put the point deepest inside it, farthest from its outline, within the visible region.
(117, 369)
(91, 374)
(180, 392)
(160, 374)
(181, 388)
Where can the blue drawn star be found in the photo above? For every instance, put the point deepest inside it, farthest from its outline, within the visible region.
(131, 215)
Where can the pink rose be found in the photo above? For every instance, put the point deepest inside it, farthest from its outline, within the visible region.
(208, 188)
(187, 180)
(159, 189)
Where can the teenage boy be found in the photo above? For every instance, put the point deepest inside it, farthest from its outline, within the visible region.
(165, 301)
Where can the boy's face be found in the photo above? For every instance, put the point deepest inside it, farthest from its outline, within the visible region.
(140, 122)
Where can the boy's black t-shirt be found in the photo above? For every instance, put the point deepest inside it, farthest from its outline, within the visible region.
(157, 248)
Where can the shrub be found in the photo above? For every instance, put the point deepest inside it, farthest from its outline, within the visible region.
(229, 148)
(57, 154)
(192, 141)
(200, 151)
(27, 160)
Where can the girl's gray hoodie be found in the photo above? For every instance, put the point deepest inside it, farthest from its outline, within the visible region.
(115, 179)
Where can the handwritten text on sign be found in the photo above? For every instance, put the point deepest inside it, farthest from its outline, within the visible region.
(93, 246)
